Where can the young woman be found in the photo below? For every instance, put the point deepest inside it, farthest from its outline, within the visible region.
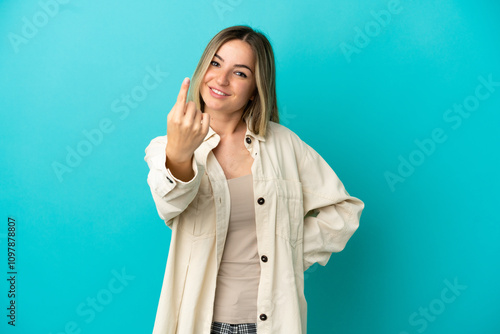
(250, 205)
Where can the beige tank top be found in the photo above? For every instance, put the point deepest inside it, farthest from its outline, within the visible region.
(239, 272)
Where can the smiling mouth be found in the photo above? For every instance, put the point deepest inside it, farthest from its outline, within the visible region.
(218, 92)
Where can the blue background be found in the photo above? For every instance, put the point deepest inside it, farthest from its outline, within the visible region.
(362, 111)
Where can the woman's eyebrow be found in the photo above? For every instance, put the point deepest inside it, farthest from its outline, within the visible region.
(237, 65)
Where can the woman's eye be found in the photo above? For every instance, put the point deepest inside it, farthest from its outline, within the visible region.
(240, 74)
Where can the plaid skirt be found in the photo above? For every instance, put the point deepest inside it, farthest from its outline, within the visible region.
(224, 328)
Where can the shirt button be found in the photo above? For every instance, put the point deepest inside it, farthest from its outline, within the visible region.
(170, 180)
(249, 140)
(260, 201)
(263, 317)
(263, 258)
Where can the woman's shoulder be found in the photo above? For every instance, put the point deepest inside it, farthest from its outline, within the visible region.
(281, 137)
(280, 132)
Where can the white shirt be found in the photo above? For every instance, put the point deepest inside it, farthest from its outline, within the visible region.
(290, 179)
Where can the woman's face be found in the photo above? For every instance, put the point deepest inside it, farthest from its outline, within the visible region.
(229, 81)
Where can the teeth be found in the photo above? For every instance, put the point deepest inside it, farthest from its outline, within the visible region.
(218, 92)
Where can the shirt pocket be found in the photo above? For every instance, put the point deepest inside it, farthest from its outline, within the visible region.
(203, 222)
(289, 211)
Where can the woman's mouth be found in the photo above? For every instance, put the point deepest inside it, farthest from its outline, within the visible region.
(217, 92)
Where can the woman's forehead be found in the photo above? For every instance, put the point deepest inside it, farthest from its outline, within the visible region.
(233, 49)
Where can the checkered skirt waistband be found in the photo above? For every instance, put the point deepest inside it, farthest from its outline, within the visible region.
(225, 328)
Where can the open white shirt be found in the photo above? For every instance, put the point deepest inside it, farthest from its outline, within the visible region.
(290, 180)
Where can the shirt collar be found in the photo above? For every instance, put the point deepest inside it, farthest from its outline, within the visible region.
(249, 132)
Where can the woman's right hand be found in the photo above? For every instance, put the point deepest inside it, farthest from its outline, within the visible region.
(185, 130)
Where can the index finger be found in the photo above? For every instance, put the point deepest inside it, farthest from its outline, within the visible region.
(181, 98)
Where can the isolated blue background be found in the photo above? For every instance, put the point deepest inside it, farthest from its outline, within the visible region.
(362, 112)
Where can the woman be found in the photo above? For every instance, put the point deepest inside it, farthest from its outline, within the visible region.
(250, 205)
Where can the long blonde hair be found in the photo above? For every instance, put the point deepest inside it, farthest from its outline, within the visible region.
(263, 107)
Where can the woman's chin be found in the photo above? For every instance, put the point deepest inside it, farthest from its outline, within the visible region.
(216, 107)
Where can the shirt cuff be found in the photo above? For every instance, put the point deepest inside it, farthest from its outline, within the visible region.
(164, 181)
(173, 180)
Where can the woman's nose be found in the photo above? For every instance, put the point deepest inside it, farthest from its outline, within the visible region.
(222, 78)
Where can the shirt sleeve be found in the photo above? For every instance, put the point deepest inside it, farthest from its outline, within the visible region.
(332, 215)
(171, 195)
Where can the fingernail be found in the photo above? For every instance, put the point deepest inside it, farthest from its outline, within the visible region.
(186, 81)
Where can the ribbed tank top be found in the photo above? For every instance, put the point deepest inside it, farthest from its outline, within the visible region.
(239, 272)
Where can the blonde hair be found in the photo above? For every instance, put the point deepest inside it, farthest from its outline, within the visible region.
(263, 108)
